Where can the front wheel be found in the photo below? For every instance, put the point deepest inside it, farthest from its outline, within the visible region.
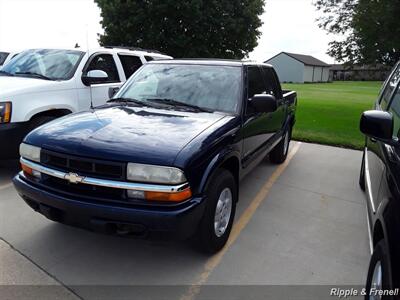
(279, 153)
(378, 273)
(216, 225)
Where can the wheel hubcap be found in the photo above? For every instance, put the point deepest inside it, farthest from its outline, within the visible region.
(376, 281)
(223, 212)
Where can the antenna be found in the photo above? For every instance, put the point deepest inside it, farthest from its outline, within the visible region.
(87, 50)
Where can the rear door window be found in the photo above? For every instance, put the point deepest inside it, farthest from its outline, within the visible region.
(130, 64)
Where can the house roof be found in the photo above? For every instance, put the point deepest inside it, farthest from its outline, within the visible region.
(308, 60)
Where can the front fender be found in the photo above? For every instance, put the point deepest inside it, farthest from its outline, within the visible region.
(223, 156)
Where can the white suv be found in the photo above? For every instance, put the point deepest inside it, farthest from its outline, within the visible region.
(43, 84)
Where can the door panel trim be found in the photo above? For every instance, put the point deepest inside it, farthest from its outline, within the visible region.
(368, 181)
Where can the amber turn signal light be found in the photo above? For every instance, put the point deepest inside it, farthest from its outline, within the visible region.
(26, 169)
(169, 197)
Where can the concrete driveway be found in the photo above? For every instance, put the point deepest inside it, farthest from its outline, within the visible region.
(302, 223)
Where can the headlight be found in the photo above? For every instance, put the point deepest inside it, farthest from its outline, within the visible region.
(30, 152)
(5, 112)
(155, 174)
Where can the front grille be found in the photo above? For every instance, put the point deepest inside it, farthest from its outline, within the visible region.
(83, 166)
(84, 190)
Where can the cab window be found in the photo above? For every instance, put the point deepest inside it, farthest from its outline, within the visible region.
(394, 109)
(106, 63)
(390, 86)
(256, 86)
(270, 82)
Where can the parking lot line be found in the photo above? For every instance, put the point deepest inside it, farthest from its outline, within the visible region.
(237, 228)
(5, 186)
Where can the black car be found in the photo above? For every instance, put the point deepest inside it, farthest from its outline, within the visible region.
(164, 156)
(380, 178)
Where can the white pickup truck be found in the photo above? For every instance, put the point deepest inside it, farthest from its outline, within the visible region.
(43, 84)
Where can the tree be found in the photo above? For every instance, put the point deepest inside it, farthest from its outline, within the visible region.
(370, 29)
(193, 28)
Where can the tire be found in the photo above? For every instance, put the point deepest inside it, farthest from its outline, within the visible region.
(279, 153)
(210, 237)
(379, 257)
(39, 121)
(361, 180)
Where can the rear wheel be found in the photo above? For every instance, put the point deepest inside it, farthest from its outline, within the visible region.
(216, 225)
(279, 153)
(378, 273)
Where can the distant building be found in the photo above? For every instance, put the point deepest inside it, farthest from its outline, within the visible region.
(343, 72)
(299, 68)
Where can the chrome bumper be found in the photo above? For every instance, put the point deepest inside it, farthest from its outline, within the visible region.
(75, 178)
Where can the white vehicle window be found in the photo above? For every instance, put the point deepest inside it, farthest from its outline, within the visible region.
(106, 63)
(45, 64)
(3, 57)
(130, 64)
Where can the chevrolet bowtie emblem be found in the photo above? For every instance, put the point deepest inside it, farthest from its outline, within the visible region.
(73, 178)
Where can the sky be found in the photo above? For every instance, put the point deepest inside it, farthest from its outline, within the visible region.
(289, 25)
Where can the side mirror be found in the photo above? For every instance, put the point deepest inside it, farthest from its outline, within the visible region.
(378, 125)
(264, 103)
(94, 76)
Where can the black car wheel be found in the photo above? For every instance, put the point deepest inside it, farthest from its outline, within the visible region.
(217, 221)
(279, 153)
(378, 273)
(361, 180)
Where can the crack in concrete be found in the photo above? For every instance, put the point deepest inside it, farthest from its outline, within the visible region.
(42, 269)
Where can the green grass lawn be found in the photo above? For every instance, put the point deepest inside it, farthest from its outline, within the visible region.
(329, 113)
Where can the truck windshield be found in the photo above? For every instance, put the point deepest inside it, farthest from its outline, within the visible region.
(215, 88)
(45, 64)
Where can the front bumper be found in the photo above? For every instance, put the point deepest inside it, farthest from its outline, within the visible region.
(11, 135)
(178, 222)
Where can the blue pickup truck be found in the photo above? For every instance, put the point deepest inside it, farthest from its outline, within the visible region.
(165, 156)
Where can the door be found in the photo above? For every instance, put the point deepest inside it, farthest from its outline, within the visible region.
(375, 150)
(99, 92)
(257, 126)
(391, 155)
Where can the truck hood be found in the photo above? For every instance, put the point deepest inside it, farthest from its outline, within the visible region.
(121, 133)
(16, 85)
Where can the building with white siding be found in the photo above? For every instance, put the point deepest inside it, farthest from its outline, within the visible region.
(299, 68)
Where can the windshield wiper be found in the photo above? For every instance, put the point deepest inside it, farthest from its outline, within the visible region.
(129, 100)
(174, 102)
(6, 73)
(33, 74)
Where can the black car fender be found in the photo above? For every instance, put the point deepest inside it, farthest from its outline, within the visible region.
(220, 159)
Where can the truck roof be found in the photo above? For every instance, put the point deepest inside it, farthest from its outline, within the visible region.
(209, 61)
(136, 51)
